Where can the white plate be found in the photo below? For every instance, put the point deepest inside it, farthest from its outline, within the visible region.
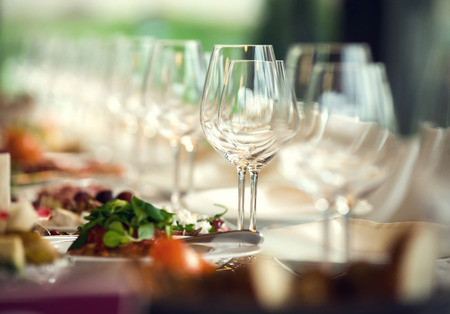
(280, 204)
(217, 251)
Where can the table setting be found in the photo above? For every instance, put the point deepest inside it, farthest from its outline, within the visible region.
(156, 176)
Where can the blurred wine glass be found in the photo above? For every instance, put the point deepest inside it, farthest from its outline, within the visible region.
(301, 58)
(431, 201)
(218, 69)
(345, 146)
(173, 90)
(131, 61)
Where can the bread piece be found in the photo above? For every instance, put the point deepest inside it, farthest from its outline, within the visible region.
(65, 218)
(22, 216)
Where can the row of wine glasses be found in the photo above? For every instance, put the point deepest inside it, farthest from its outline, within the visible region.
(327, 111)
(105, 93)
(343, 113)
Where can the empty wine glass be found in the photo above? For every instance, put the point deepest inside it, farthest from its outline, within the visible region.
(130, 65)
(433, 130)
(173, 90)
(345, 147)
(301, 58)
(218, 69)
(257, 114)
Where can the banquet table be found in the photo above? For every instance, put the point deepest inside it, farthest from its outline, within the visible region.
(291, 229)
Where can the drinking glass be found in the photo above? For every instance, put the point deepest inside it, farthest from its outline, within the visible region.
(433, 131)
(130, 65)
(345, 146)
(218, 69)
(301, 58)
(173, 91)
(257, 114)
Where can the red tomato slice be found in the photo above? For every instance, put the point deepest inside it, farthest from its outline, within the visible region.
(176, 257)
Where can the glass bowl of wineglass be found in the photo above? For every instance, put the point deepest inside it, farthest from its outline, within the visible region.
(219, 64)
(346, 145)
(256, 115)
(173, 91)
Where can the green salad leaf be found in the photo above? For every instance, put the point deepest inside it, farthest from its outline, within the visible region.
(125, 222)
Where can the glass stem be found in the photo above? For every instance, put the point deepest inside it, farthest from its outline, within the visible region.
(324, 207)
(191, 152)
(253, 189)
(175, 197)
(347, 234)
(346, 212)
(241, 171)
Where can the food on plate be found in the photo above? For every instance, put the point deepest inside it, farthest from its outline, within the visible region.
(12, 253)
(66, 205)
(24, 147)
(20, 246)
(122, 228)
(32, 162)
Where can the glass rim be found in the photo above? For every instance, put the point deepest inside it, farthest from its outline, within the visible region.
(350, 64)
(176, 41)
(329, 44)
(241, 45)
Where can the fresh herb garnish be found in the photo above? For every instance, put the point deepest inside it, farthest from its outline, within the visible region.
(125, 222)
(217, 216)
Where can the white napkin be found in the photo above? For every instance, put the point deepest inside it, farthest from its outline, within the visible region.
(370, 241)
(5, 192)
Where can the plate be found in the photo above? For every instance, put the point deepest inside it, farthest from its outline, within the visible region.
(275, 204)
(212, 252)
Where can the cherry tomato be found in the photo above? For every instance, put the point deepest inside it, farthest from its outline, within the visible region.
(176, 257)
(23, 146)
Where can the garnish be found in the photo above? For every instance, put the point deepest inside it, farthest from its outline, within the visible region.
(214, 223)
(125, 222)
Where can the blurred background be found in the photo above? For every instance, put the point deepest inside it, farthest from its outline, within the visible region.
(401, 33)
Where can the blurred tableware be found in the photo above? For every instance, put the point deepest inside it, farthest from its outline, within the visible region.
(127, 81)
(276, 205)
(215, 83)
(173, 91)
(431, 201)
(344, 149)
(301, 58)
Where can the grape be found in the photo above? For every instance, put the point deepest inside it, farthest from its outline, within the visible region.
(217, 223)
(81, 197)
(104, 196)
(125, 195)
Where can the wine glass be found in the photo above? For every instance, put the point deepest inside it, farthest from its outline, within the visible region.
(301, 58)
(130, 65)
(257, 114)
(173, 90)
(218, 68)
(345, 147)
(431, 202)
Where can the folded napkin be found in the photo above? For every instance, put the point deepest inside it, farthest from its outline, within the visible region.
(5, 193)
(370, 241)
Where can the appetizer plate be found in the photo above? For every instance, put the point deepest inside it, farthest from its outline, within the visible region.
(212, 252)
(281, 204)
